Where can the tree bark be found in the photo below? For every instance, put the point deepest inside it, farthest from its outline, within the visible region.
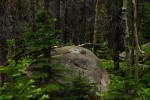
(92, 20)
(130, 24)
(32, 15)
(127, 50)
(126, 38)
(136, 41)
(114, 28)
(117, 33)
(75, 32)
(95, 26)
(65, 31)
(57, 14)
(83, 25)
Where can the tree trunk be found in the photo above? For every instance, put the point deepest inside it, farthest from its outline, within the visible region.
(136, 41)
(127, 50)
(74, 24)
(139, 8)
(65, 31)
(57, 14)
(130, 24)
(126, 38)
(56, 10)
(114, 29)
(95, 26)
(83, 25)
(92, 20)
(117, 33)
(32, 15)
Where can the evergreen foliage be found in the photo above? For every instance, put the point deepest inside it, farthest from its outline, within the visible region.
(79, 89)
(17, 85)
(44, 36)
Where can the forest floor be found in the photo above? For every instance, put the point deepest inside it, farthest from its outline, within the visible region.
(118, 79)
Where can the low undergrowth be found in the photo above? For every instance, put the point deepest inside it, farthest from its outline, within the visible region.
(122, 88)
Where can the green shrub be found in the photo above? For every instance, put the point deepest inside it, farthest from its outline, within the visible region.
(79, 89)
(17, 85)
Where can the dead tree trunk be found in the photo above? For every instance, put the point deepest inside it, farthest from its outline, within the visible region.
(127, 50)
(126, 38)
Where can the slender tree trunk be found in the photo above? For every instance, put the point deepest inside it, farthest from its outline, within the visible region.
(83, 25)
(136, 40)
(115, 48)
(47, 51)
(140, 11)
(32, 16)
(62, 21)
(74, 24)
(130, 24)
(127, 50)
(57, 14)
(65, 32)
(92, 20)
(126, 38)
(95, 26)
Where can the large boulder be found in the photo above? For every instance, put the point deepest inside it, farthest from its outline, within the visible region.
(78, 59)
